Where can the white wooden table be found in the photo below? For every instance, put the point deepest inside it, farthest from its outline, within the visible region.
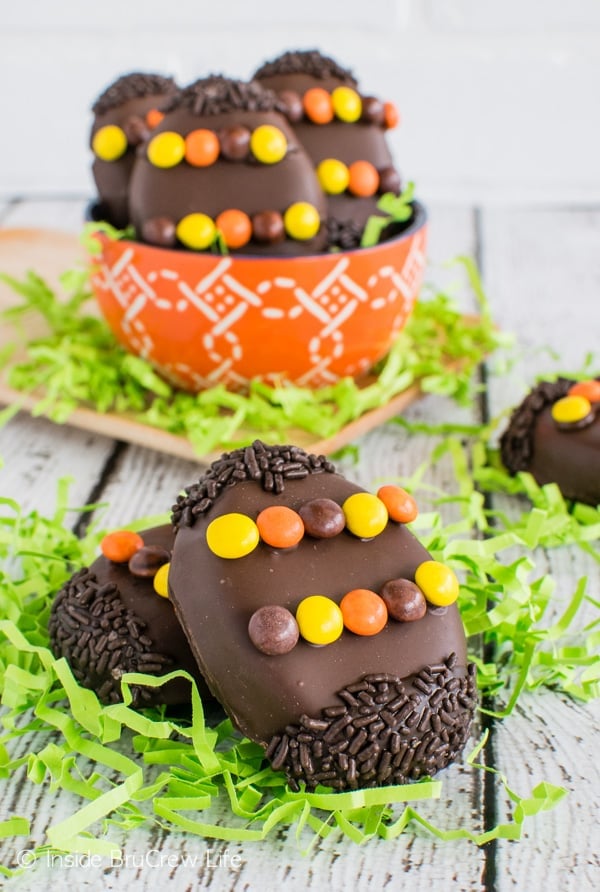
(541, 269)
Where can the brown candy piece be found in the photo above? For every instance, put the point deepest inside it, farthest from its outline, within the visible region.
(159, 231)
(273, 630)
(404, 600)
(294, 110)
(322, 518)
(267, 226)
(234, 142)
(147, 560)
(373, 110)
(389, 181)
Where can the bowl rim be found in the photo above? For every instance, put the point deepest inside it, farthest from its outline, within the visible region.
(420, 219)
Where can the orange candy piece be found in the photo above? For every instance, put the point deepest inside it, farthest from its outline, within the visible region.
(364, 179)
(201, 148)
(120, 545)
(400, 505)
(391, 115)
(589, 389)
(279, 526)
(153, 118)
(235, 226)
(318, 105)
(364, 612)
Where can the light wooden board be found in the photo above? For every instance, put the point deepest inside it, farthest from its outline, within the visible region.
(49, 253)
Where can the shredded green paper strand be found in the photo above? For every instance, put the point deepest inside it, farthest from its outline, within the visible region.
(126, 768)
(130, 768)
(79, 363)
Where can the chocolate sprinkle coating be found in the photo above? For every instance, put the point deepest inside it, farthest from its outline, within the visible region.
(516, 443)
(217, 94)
(383, 733)
(132, 86)
(311, 62)
(102, 639)
(268, 465)
(344, 234)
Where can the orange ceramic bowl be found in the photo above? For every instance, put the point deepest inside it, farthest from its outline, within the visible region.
(203, 319)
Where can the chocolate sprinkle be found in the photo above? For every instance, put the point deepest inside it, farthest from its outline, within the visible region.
(310, 62)
(268, 465)
(516, 443)
(132, 86)
(344, 234)
(102, 639)
(217, 94)
(405, 732)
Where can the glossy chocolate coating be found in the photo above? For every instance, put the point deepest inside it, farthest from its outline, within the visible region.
(249, 186)
(568, 457)
(112, 177)
(359, 141)
(215, 599)
(159, 621)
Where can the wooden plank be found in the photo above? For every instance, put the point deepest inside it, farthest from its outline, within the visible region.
(542, 268)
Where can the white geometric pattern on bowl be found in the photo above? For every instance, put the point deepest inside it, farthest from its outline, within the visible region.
(223, 302)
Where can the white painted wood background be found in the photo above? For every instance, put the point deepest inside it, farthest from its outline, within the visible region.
(499, 100)
(541, 268)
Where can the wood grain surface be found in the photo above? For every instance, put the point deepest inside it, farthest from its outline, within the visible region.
(541, 270)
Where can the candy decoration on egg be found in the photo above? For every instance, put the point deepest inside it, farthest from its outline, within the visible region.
(320, 619)
(554, 435)
(321, 646)
(223, 170)
(120, 545)
(124, 116)
(115, 617)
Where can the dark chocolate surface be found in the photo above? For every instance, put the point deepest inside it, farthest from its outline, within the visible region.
(359, 141)
(215, 598)
(112, 177)
(124, 616)
(533, 442)
(246, 185)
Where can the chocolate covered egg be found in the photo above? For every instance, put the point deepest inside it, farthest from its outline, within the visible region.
(224, 168)
(320, 623)
(114, 617)
(124, 116)
(343, 131)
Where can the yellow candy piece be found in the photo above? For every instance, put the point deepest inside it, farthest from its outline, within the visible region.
(437, 582)
(366, 515)
(347, 104)
(166, 149)
(570, 409)
(196, 231)
(333, 175)
(109, 143)
(160, 581)
(301, 221)
(268, 144)
(319, 619)
(232, 535)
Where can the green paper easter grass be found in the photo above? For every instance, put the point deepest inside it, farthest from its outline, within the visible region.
(128, 769)
(78, 364)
